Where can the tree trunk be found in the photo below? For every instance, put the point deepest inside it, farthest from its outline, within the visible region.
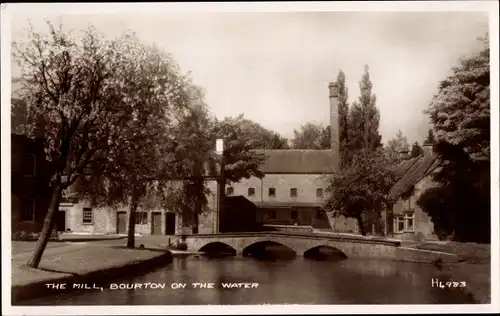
(131, 222)
(221, 194)
(196, 222)
(47, 225)
(361, 226)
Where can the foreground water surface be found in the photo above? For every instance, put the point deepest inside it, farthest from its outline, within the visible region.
(292, 281)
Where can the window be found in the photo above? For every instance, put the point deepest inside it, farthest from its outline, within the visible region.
(87, 215)
(409, 221)
(272, 192)
(293, 215)
(229, 191)
(399, 224)
(29, 167)
(319, 214)
(28, 210)
(319, 192)
(271, 215)
(293, 192)
(251, 191)
(141, 218)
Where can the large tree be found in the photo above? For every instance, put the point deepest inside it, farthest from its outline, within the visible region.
(142, 158)
(367, 101)
(363, 121)
(187, 195)
(263, 138)
(359, 190)
(72, 95)
(311, 136)
(200, 162)
(460, 115)
(395, 146)
(343, 117)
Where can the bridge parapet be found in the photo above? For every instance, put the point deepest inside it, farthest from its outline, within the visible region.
(351, 246)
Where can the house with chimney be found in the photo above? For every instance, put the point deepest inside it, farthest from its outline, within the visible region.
(406, 220)
(293, 190)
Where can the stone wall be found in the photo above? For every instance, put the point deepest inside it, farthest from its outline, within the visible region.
(306, 185)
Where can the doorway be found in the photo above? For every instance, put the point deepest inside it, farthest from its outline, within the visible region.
(121, 222)
(60, 221)
(169, 223)
(156, 223)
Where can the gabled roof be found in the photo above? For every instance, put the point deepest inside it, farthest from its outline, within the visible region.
(410, 172)
(299, 161)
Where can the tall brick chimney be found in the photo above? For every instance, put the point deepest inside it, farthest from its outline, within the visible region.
(334, 122)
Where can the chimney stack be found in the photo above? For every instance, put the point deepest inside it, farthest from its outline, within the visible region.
(404, 154)
(334, 122)
(428, 148)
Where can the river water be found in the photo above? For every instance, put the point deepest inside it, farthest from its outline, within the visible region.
(293, 281)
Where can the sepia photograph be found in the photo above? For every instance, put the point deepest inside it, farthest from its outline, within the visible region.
(183, 157)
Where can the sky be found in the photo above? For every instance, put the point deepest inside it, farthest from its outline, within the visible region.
(275, 67)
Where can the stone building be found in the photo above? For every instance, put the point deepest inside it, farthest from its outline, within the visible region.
(30, 190)
(407, 220)
(291, 193)
(293, 189)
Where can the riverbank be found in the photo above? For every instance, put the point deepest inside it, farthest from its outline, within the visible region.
(79, 264)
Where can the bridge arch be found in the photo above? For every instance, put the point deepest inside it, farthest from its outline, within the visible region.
(324, 251)
(217, 247)
(258, 248)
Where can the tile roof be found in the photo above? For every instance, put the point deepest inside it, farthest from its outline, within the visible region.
(410, 172)
(298, 161)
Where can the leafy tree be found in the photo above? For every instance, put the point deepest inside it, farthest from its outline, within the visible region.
(195, 154)
(416, 150)
(395, 146)
(261, 137)
(199, 133)
(356, 130)
(71, 95)
(238, 159)
(311, 136)
(363, 122)
(142, 155)
(360, 189)
(343, 117)
(460, 114)
(367, 101)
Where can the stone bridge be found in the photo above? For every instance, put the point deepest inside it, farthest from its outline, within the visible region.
(351, 246)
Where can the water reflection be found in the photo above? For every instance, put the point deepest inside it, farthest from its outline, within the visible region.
(296, 281)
